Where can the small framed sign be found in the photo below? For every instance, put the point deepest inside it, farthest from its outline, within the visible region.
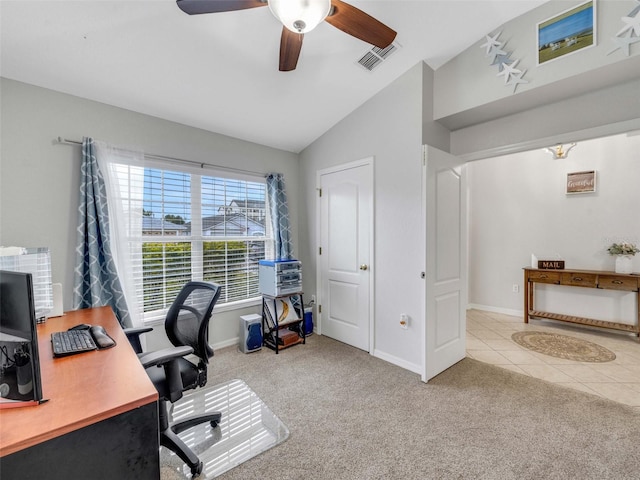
(581, 182)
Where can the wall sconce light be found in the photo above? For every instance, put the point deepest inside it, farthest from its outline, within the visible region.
(559, 152)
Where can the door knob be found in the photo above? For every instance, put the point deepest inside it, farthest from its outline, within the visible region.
(363, 267)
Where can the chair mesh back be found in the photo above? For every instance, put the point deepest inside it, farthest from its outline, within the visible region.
(187, 321)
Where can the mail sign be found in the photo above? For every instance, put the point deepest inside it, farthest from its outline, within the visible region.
(551, 264)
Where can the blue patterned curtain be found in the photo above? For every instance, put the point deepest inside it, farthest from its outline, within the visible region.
(279, 211)
(96, 281)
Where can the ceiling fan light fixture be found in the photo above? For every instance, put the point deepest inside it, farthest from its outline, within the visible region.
(300, 16)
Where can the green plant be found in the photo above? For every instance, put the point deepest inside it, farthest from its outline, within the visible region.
(623, 248)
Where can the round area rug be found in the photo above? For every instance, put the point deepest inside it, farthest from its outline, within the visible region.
(562, 346)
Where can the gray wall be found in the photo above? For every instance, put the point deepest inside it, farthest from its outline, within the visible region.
(588, 94)
(467, 110)
(518, 206)
(433, 133)
(389, 128)
(611, 110)
(39, 180)
(581, 95)
(469, 82)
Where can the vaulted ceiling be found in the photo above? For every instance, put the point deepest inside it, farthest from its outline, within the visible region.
(219, 72)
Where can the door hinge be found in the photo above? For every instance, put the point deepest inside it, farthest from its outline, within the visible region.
(319, 250)
(319, 192)
(319, 308)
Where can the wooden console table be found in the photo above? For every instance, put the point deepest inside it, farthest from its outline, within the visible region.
(581, 278)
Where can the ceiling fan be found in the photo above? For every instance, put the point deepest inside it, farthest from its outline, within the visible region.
(301, 16)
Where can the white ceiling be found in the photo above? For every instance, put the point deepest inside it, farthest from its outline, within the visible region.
(219, 72)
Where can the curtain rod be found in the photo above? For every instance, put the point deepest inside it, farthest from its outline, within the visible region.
(65, 141)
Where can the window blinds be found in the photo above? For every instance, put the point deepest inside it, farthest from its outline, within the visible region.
(188, 226)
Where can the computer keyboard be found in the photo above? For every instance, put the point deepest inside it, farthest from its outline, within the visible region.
(72, 341)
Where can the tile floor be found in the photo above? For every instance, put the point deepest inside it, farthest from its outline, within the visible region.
(489, 340)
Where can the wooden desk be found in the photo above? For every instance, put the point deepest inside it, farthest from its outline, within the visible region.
(586, 279)
(101, 417)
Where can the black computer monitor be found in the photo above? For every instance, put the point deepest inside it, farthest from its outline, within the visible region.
(20, 381)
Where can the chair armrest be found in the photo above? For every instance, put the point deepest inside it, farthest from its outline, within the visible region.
(167, 358)
(133, 335)
(163, 356)
(137, 331)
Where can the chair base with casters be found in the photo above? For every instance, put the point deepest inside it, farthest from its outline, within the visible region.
(169, 435)
(172, 374)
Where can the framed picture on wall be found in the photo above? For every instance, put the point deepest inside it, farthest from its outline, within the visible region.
(581, 182)
(567, 32)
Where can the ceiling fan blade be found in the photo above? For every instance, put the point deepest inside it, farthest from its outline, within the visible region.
(290, 46)
(196, 7)
(358, 24)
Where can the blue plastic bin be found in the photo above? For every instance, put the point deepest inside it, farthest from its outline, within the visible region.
(308, 321)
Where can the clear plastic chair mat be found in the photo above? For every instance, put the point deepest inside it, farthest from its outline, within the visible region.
(247, 429)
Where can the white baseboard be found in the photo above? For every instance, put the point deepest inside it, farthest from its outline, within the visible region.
(398, 361)
(488, 308)
(226, 343)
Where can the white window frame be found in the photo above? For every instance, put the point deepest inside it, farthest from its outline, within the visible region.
(196, 240)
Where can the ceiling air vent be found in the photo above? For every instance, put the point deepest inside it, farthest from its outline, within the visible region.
(376, 56)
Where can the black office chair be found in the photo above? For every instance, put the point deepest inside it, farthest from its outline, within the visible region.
(187, 325)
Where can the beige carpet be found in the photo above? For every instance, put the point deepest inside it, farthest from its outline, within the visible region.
(563, 346)
(352, 416)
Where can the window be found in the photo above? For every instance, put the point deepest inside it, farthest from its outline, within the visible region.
(184, 226)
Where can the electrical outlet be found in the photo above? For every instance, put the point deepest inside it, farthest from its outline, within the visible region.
(515, 288)
(404, 321)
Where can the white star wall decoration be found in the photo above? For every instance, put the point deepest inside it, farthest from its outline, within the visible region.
(629, 34)
(494, 53)
(516, 79)
(501, 58)
(624, 43)
(632, 23)
(491, 42)
(509, 70)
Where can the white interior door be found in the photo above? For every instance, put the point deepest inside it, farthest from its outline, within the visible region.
(345, 254)
(445, 206)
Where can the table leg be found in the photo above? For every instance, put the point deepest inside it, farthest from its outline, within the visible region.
(526, 288)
